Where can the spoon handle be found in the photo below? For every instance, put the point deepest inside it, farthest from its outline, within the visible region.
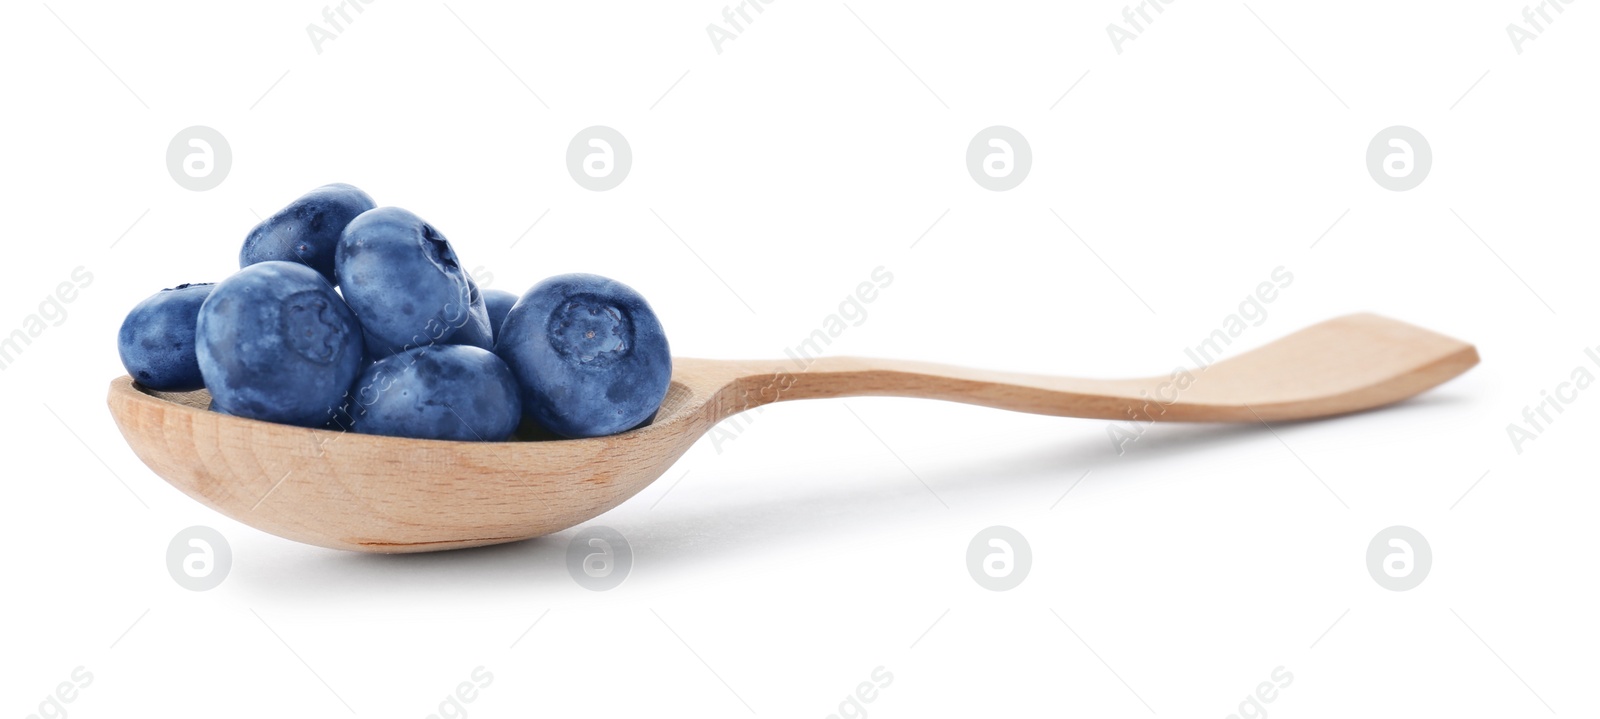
(1343, 365)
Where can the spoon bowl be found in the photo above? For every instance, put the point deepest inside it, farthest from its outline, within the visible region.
(374, 493)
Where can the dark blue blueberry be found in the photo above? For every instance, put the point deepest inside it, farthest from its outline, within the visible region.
(276, 343)
(589, 355)
(403, 281)
(498, 302)
(456, 392)
(156, 341)
(477, 331)
(307, 231)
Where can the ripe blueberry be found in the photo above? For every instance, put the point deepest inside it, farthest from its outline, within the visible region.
(498, 302)
(307, 231)
(276, 343)
(156, 341)
(589, 355)
(404, 282)
(455, 392)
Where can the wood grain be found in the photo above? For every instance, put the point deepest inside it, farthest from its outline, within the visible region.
(385, 494)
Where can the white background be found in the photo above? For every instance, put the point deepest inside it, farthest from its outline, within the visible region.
(775, 572)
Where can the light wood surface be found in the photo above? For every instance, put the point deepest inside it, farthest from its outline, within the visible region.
(384, 494)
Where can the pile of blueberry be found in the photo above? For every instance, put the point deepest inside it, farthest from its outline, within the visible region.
(345, 315)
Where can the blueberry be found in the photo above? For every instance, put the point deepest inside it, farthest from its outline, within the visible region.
(498, 302)
(477, 331)
(156, 341)
(307, 231)
(403, 281)
(589, 355)
(276, 343)
(456, 392)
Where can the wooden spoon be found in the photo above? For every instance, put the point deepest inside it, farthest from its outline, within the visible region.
(385, 494)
